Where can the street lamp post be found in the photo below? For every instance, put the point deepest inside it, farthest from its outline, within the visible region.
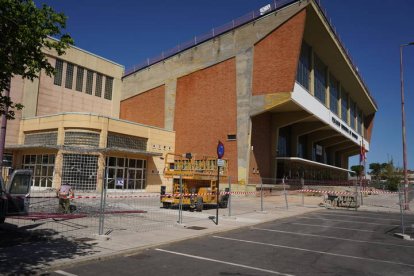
(403, 125)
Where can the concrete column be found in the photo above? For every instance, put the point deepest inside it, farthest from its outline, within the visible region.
(100, 172)
(244, 70)
(57, 176)
(348, 113)
(340, 101)
(312, 73)
(103, 137)
(61, 132)
(327, 90)
(170, 95)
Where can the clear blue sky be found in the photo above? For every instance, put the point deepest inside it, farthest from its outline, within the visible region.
(128, 32)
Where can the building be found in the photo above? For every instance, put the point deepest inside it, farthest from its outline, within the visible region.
(70, 131)
(276, 87)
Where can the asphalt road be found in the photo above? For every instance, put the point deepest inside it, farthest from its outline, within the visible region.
(329, 242)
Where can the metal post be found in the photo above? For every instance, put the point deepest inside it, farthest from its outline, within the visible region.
(302, 182)
(401, 203)
(217, 192)
(229, 202)
(103, 201)
(180, 205)
(356, 195)
(284, 191)
(4, 125)
(403, 125)
(261, 196)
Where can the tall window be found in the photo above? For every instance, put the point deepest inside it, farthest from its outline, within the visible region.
(352, 112)
(108, 88)
(69, 75)
(42, 167)
(302, 75)
(125, 173)
(79, 79)
(334, 95)
(344, 107)
(359, 122)
(283, 146)
(98, 87)
(89, 82)
(59, 72)
(320, 80)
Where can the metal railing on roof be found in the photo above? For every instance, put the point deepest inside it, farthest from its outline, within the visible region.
(253, 15)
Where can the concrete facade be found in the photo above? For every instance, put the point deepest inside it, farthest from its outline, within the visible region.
(266, 53)
(241, 87)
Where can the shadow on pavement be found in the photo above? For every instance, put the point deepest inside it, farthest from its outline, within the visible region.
(24, 251)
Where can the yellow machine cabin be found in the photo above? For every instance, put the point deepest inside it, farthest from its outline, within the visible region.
(199, 182)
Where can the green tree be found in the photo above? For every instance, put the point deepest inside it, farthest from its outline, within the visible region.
(357, 170)
(25, 31)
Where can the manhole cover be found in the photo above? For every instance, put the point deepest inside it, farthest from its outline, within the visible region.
(196, 228)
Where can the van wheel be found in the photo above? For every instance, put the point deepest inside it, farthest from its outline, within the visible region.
(200, 204)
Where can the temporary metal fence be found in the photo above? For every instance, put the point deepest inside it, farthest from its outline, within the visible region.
(253, 15)
(135, 211)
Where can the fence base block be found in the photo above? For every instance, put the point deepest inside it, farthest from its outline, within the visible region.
(403, 236)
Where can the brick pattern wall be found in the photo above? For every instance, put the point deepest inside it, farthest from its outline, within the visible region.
(146, 108)
(276, 57)
(206, 111)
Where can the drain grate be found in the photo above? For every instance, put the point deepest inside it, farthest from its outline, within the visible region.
(196, 228)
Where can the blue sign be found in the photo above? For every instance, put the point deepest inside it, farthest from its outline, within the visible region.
(220, 150)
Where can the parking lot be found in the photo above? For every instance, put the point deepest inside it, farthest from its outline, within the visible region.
(326, 242)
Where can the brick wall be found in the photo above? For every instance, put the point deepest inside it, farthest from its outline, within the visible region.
(206, 111)
(276, 57)
(146, 108)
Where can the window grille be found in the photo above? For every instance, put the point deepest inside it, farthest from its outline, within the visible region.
(108, 88)
(42, 166)
(344, 107)
(78, 138)
(44, 138)
(334, 95)
(89, 82)
(303, 72)
(98, 87)
(69, 75)
(79, 79)
(126, 141)
(58, 72)
(320, 80)
(80, 171)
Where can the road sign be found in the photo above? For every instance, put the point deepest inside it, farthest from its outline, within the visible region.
(220, 150)
(220, 162)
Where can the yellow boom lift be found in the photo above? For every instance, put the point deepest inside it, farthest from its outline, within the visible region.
(199, 182)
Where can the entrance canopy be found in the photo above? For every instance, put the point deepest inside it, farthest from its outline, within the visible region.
(295, 167)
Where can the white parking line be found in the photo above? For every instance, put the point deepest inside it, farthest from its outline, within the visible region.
(340, 215)
(315, 251)
(223, 262)
(351, 221)
(330, 237)
(343, 228)
(64, 273)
